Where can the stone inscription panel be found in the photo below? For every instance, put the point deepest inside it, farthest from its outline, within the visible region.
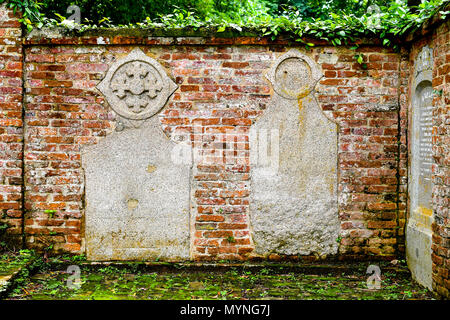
(420, 218)
(421, 136)
(422, 160)
(425, 129)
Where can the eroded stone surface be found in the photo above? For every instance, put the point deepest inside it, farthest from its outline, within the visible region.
(133, 212)
(294, 200)
(293, 76)
(420, 219)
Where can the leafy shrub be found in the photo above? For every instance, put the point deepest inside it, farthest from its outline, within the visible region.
(336, 21)
(123, 12)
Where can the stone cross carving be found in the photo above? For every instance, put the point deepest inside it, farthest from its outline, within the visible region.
(136, 84)
(136, 87)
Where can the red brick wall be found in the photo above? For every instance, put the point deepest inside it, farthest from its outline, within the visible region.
(11, 133)
(365, 101)
(221, 90)
(63, 112)
(441, 154)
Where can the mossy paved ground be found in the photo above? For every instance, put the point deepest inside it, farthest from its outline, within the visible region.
(11, 264)
(113, 282)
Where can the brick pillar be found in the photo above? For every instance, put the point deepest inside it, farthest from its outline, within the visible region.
(11, 129)
(441, 167)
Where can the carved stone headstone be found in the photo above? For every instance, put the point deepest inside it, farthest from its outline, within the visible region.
(293, 145)
(137, 199)
(418, 232)
(136, 87)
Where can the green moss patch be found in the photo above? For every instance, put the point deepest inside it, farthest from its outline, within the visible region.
(14, 266)
(115, 282)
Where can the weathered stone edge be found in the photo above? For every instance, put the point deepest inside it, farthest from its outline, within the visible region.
(136, 36)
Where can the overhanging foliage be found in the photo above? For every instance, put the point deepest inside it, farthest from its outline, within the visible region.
(339, 22)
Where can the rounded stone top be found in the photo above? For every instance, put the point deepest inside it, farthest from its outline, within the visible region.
(294, 75)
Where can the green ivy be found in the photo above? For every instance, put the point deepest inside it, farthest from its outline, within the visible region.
(31, 16)
(395, 18)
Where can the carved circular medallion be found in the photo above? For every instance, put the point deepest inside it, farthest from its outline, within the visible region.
(293, 77)
(137, 86)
